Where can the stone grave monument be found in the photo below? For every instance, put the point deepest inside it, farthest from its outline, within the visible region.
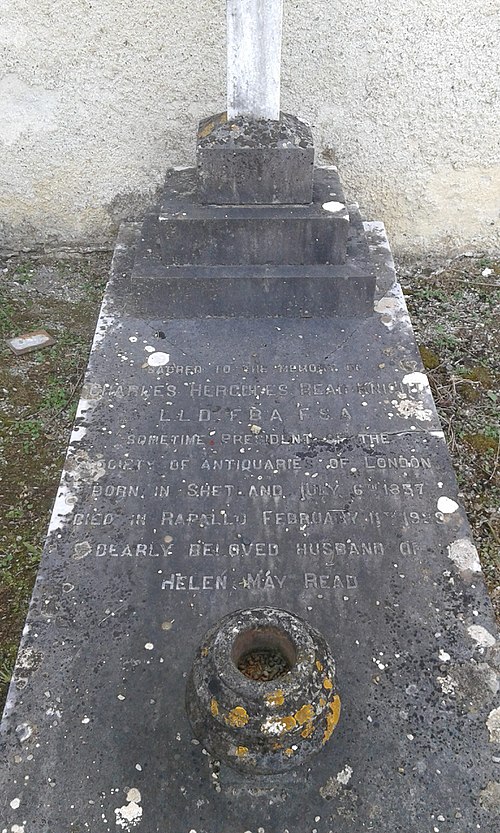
(259, 607)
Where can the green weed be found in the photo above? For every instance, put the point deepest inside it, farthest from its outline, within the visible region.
(55, 396)
(29, 431)
(24, 272)
(6, 317)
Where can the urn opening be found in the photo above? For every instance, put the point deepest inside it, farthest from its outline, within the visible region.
(264, 653)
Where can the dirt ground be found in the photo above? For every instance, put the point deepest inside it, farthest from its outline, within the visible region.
(455, 309)
(38, 398)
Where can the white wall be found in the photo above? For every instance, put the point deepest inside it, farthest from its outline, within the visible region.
(99, 97)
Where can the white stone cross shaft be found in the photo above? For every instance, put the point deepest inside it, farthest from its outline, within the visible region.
(254, 29)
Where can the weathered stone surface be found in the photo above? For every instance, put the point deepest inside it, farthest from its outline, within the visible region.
(251, 161)
(220, 465)
(269, 291)
(260, 723)
(215, 235)
(280, 288)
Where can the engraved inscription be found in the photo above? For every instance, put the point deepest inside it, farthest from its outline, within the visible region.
(93, 519)
(252, 467)
(177, 581)
(329, 582)
(399, 462)
(330, 517)
(224, 391)
(332, 549)
(140, 550)
(213, 518)
(201, 549)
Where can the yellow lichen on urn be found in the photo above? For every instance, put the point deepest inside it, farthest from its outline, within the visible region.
(214, 707)
(319, 665)
(332, 718)
(241, 751)
(275, 698)
(305, 714)
(307, 730)
(237, 717)
(288, 752)
(290, 723)
(278, 725)
(327, 683)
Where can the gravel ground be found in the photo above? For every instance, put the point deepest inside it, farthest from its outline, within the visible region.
(38, 398)
(455, 309)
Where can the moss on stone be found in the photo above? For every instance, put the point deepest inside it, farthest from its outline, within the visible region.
(430, 359)
(481, 442)
(480, 374)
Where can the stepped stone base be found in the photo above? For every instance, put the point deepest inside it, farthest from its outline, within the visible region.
(256, 260)
(206, 235)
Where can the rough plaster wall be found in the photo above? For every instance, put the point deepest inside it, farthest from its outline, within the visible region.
(407, 97)
(99, 97)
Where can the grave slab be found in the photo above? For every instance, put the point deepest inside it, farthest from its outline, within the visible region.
(220, 464)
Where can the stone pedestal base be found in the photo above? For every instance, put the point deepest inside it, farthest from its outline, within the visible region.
(257, 260)
(244, 162)
(212, 235)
